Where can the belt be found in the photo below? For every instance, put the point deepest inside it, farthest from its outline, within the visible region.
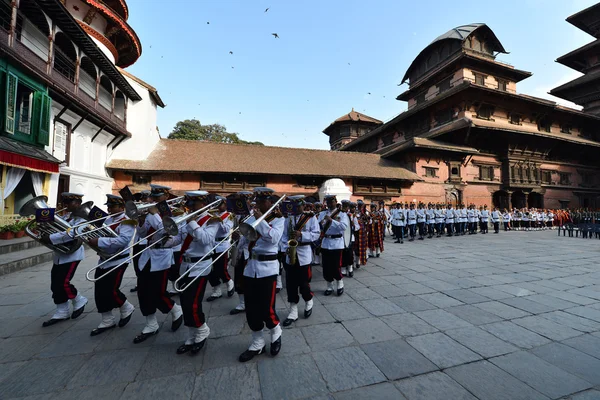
(263, 257)
(221, 238)
(304, 244)
(188, 259)
(411, 219)
(333, 236)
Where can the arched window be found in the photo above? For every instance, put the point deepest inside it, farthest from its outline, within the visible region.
(32, 28)
(87, 77)
(119, 105)
(65, 56)
(105, 93)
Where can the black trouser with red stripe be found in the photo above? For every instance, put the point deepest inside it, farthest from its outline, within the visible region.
(174, 270)
(260, 302)
(219, 270)
(191, 301)
(60, 282)
(348, 256)
(136, 260)
(332, 264)
(238, 271)
(152, 288)
(297, 279)
(107, 290)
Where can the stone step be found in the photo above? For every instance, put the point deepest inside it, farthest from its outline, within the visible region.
(13, 245)
(18, 260)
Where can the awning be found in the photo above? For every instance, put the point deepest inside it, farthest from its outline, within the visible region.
(14, 153)
(31, 164)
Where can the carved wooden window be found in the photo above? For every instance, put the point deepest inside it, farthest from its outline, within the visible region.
(486, 173)
(485, 111)
(420, 98)
(564, 178)
(546, 177)
(515, 119)
(431, 172)
(479, 79)
(444, 85)
(565, 128)
(502, 84)
(545, 125)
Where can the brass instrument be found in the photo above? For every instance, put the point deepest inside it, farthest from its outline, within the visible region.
(292, 245)
(36, 230)
(249, 230)
(86, 232)
(171, 224)
(135, 210)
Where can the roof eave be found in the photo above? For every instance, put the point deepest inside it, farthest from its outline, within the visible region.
(61, 16)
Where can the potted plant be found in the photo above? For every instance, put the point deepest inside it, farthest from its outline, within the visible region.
(6, 232)
(20, 226)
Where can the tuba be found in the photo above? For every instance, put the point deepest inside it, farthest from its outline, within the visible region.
(36, 230)
(89, 231)
(292, 245)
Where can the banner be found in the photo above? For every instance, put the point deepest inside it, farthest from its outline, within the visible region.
(237, 206)
(44, 215)
(126, 194)
(163, 209)
(96, 213)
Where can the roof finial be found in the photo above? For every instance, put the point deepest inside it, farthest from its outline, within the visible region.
(352, 109)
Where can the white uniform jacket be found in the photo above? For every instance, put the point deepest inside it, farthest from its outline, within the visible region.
(196, 238)
(485, 214)
(160, 258)
(338, 226)
(495, 216)
(439, 216)
(310, 233)
(411, 217)
(224, 229)
(267, 244)
(125, 228)
(62, 238)
(450, 216)
(420, 215)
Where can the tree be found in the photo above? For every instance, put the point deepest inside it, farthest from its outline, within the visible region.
(192, 129)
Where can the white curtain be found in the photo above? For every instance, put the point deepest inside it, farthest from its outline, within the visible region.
(13, 177)
(37, 180)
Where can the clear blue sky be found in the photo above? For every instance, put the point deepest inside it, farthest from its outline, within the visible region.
(285, 91)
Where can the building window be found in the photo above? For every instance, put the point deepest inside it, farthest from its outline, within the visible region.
(515, 119)
(587, 179)
(565, 128)
(420, 98)
(545, 125)
(485, 111)
(24, 109)
(454, 169)
(27, 111)
(387, 139)
(479, 79)
(62, 139)
(443, 116)
(486, 173)
(345, 130)
(502, 84)
(431, 172)
(140, 179)
(547, 177)
(564, 178)
(365, 186)
(444, 85)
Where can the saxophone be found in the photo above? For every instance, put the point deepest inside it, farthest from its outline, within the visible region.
(292, 244)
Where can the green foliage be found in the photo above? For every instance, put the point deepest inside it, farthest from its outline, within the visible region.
(192, 129)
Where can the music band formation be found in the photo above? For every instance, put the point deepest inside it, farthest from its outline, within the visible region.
(191, 241)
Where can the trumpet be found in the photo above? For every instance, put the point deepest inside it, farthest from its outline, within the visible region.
(134, 210)
(249, 230)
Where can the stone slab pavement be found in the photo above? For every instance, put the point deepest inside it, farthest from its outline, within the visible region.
(508, 316)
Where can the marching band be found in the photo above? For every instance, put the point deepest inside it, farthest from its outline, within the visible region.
(192, 240)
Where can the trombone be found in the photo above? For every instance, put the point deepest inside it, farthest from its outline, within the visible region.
(175, 221)
(134, 211)
(171, 225)
(209, 253)
(246, 229)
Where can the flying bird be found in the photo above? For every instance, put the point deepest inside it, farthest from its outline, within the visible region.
(232, 67)
(275, 35)
(267, 9)
(231, 52)
(369, 93)
(207, 23)
(348, 63)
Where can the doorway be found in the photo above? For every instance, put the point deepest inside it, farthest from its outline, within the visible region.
(518, 199)
(535, 200)
(63, 186)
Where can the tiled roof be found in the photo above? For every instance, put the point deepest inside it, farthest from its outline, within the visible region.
(197, 156)
(418, 142)
(353, 116)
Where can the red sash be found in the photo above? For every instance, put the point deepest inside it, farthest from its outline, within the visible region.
(189, 238)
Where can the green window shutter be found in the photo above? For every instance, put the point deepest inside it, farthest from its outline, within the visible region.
(11, 102)
(44, 119)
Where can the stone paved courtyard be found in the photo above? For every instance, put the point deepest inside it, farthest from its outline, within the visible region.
(508, 316)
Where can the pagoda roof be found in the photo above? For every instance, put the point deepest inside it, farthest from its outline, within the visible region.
(424, 143)
(579, 88)
(576, 58)
(460, 33)
(353, 116)
(587, 20)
